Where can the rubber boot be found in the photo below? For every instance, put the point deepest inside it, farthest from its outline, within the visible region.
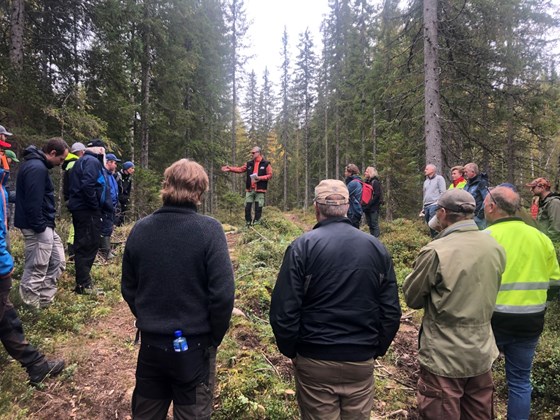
(70, 251)
(248, 214)
(105, 248)
(258, 214)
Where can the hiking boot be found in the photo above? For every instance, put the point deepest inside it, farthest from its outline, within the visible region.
(38, 373)
(83, 289)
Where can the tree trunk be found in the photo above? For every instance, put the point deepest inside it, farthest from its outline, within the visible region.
(432, 128)
(145, 90)
(17, 23)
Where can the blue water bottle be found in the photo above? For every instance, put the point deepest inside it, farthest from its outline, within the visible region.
(180, 342)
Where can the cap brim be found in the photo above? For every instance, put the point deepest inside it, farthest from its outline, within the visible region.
(4, 144)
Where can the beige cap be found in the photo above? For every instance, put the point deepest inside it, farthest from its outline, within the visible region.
(328, 187)
(457, 200)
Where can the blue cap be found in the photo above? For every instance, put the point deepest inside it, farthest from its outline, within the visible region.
(111, 156)
(127, 165)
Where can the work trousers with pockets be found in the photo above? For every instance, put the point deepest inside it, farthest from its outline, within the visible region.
(186, 378)
(455, 398)
(329, 390)
(44, 264)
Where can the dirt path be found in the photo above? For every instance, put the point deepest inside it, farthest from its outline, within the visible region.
(101, 364)
(99, 378)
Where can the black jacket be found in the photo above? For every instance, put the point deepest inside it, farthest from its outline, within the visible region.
(261, 185)
(124, 181)
(377, 198)
(336, 295)
(35, 208)
(177, 274)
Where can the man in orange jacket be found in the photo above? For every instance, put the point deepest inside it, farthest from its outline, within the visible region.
(258, 172)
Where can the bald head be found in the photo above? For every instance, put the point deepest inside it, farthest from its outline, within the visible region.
(501, 202)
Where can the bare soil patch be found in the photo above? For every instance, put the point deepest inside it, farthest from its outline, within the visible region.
(101, 362)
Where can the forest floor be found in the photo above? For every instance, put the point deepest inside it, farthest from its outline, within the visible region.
(99, 384)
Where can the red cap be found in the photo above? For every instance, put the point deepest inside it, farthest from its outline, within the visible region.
(4, 144)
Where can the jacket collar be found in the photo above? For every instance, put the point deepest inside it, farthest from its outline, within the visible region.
(332, 220)
(508, 219)
(185, 208)
(462, 226)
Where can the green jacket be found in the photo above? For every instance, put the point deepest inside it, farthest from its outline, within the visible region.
(456, 279)
(549, 216)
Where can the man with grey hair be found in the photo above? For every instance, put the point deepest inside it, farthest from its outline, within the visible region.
(334, 309)
(458, 294)
(518, 319)
(259, 172)
(434, 187)
(477, 186)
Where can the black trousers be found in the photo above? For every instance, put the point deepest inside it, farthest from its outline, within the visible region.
(186, 378)
(11, 331)
(372, 219)
(87, 230)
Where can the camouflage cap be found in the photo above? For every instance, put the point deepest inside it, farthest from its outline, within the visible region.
(540, 182)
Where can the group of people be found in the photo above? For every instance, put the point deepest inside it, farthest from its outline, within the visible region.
(91, 193)
(545, 205)
(357, 207)
(335, 305)
(483, 282)
(468, 178)
(96, 195)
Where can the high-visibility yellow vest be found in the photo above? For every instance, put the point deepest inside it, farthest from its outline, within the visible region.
(531, 267)
(460, 185)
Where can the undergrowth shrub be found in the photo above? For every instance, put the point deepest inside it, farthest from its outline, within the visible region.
(403, 239)
(546, 365)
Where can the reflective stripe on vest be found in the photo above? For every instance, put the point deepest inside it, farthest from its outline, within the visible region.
(525, 309)
(524, 286)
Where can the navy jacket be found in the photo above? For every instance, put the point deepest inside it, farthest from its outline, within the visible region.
(35, 208)
(478, 188)
(89, 187)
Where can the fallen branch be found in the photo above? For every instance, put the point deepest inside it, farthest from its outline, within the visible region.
(271, 364)
(261, 235)
(392, 377)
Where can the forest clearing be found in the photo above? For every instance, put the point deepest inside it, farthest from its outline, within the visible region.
(95, 334)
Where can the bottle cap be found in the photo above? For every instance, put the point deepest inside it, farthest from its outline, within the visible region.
(178, 333)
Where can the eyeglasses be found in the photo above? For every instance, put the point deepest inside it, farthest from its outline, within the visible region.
(537, 186)
(491, 196)
(254, 153)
